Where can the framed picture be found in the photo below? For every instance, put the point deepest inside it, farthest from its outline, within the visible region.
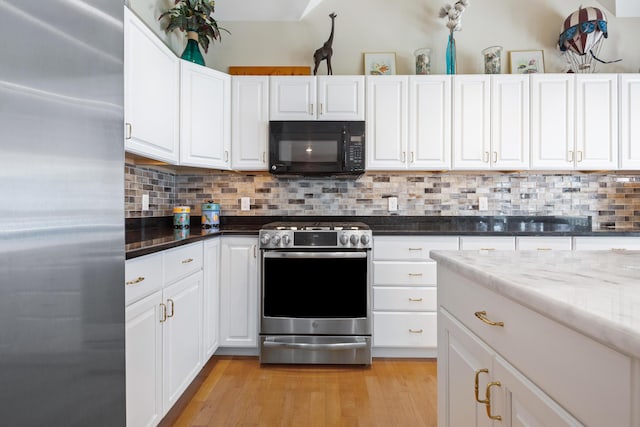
(378, 64)
(526, 61)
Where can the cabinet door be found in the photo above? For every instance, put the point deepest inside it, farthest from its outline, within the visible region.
(596, 121)
(249, 122)
(340, 97)
(151, 93)
(144, 361)
(525, 405)
(471, 122)
(239, 292)
(629, 123)
(552, 121)
(292, 98)
(182, 337)
(211, 298)
(462, 360)
(430, 122)
(205, 117)
(387, 122)
(510, 122)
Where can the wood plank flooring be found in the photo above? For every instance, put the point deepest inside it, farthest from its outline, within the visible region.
(237, 391)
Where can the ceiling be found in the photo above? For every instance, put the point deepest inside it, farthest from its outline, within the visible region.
(264, 10)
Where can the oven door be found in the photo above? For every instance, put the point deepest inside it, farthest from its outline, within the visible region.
(315, 293)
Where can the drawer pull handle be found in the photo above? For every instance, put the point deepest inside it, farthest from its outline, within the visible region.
(488, 399)
(135, 282)
(163, 313)
(476, 386)
(416, 331)
(482, 315)
(543, 249)
(173, 304)
(415, 299)
(415, 249)
(415, 274)
(487, 249)
(187, 261)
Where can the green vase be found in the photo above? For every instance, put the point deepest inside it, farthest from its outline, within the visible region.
(192, 50)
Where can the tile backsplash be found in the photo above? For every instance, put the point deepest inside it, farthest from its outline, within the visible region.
(611, 199)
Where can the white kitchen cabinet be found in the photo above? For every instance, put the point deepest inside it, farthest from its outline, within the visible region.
(487, 243)
(151, 93)
(163, 331)
(205, 117)
(544, 243)
(629, 123)
(316, 98)
(239, 292)
(249, 122)
(404, 294)
(211, 298)
(387, 122)
(574, 121)
(605, 243)
(408, 122)
(143, 345)
(491, 122)
(429, 123)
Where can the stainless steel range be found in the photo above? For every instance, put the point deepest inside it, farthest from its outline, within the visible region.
(315, 293)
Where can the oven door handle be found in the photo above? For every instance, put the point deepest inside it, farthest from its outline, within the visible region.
(344, 254)
(309, 346)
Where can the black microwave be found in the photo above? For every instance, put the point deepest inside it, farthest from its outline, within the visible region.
(316, 148)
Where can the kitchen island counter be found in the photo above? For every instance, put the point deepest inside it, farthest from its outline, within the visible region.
(596, 293)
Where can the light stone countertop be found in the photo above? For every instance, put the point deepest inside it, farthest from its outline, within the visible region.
(596, 293)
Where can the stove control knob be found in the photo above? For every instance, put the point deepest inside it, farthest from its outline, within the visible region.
(364, 239)
(276, 240)
(286, 240)
(354, 239)
(265, 238)
(344, 239)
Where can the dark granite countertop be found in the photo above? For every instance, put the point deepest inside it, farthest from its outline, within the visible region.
(149, 235)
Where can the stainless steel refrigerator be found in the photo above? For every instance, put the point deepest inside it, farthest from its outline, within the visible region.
(62, 359)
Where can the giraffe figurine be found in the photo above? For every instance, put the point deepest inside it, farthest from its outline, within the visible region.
(326, 50)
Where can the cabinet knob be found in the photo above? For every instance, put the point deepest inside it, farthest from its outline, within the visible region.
(415, 299)
(187, 261)
(127, 131)
(482, 315)
(135, 282)
(415, 331)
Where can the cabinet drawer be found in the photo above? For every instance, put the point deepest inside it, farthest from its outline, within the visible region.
(404, 299)
(142, 277)
(595, 380)
(182, 261)
(498, 243)
(411, 248)
(405, 330)
(544, 243)
(605, 243)
(404, 273)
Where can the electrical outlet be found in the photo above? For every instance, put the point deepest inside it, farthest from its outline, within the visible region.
(145, 202)
(393, 204)
(483, 204)
(245, 204)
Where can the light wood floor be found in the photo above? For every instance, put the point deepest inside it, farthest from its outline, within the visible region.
(237, 391)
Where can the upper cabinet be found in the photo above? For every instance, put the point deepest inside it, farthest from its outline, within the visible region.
(574, 121)
(317, 98)
(249, 122)
(151, 93)
(205, 120)
(408, 122)
(629, 123)
(491, 122)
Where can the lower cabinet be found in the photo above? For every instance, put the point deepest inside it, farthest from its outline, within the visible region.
(239, 292)
(163, 332)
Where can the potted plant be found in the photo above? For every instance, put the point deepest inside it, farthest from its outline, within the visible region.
(195, 17)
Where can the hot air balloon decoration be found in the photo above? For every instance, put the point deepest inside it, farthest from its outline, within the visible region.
(581, 38)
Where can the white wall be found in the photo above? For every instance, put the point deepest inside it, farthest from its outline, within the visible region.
(402, 26)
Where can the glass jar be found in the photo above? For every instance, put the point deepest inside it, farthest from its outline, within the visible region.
(492, 60)
(423, 61)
